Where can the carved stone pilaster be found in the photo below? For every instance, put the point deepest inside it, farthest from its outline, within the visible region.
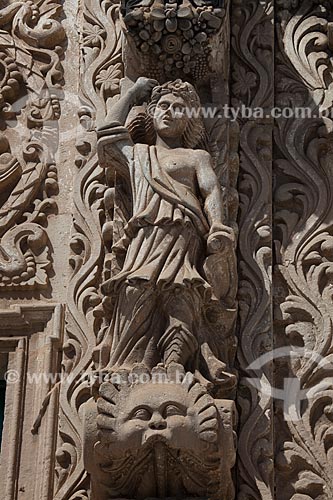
(252, 60)
(187, 325)
(31, 336)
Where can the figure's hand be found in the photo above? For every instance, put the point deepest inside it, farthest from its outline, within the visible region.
(220, 238)
(142, 89)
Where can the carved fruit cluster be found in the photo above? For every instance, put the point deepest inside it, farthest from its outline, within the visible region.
(176, 34)
(10, 79)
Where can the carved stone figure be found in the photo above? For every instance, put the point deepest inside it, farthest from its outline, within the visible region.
(162, 437)
(174, 241)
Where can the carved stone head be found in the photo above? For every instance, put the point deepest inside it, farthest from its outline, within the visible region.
(174, 111)
(175, 107)
(161, 435)
(182, 415)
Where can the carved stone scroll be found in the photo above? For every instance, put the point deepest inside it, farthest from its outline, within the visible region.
(303, 201)
(101, 57)
(253, 68)
(30, 76)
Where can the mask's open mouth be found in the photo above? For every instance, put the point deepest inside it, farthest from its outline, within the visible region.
(156, 438)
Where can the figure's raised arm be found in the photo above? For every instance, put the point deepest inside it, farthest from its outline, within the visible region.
(115, 146)
(136, 95)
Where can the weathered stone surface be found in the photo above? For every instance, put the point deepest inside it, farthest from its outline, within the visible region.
(166, 262)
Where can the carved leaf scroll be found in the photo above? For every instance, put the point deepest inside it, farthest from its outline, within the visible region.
(304, 248)
(252, 66)
(30, 77)
(101, 73)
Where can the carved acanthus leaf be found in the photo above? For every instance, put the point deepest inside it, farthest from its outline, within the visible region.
(302, 33)
(304, 249)
(252, 51)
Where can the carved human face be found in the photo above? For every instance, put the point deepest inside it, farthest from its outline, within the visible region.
(170, 118)
(156, 412)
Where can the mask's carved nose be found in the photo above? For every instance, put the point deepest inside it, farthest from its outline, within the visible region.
(157, 424)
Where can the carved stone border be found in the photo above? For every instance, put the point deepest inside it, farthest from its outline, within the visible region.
(253, 86)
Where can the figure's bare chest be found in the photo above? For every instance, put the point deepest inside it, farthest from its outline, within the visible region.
(179, 166)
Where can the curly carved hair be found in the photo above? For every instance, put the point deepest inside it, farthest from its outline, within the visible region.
(142, 126)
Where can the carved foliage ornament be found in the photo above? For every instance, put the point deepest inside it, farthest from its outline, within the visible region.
(252, 63)
(30, 76)
(101, 52)
(303, 201)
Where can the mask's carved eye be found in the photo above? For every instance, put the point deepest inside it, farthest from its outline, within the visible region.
(172, 409)
(141, 414)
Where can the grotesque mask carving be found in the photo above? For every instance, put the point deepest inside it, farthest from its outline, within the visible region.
(161, 436)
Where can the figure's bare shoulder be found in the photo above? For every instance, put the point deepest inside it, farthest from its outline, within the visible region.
(203, 154)
(200, 155)
(203, 159)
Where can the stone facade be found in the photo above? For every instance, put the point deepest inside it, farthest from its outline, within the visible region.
(166, 250)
